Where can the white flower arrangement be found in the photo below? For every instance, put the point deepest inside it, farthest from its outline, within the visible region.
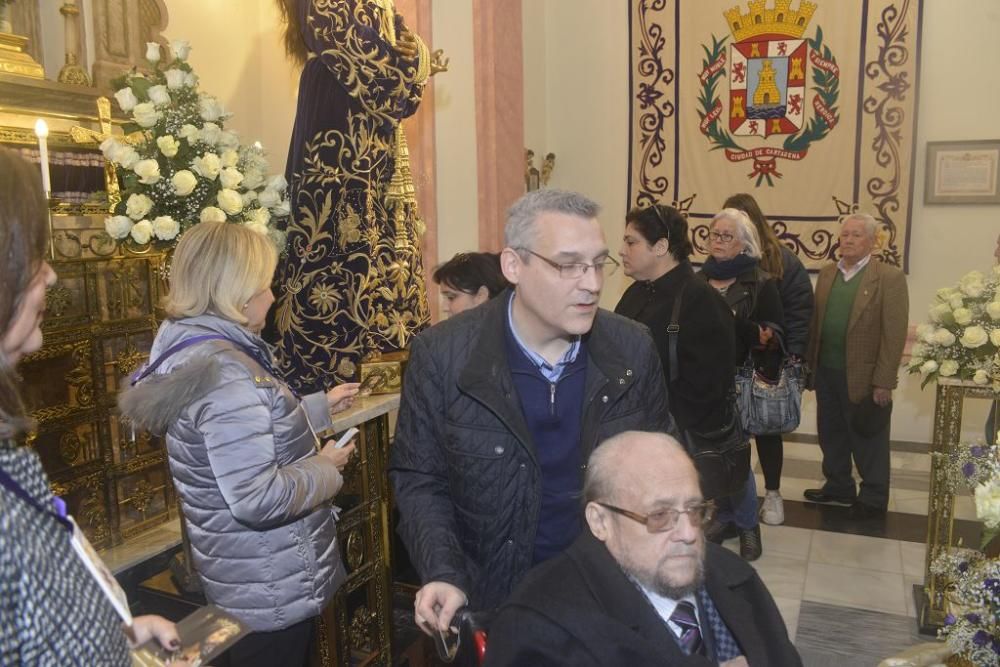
(962, 338)
(179, 166)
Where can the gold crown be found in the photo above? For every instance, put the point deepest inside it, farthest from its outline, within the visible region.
(762, 21)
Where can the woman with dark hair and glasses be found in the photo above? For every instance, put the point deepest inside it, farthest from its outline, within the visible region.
(469, 279)
(655, 251)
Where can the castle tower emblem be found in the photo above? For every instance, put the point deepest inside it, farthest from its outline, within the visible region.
(781, 82)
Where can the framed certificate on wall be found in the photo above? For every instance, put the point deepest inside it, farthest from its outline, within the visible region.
(962, 172)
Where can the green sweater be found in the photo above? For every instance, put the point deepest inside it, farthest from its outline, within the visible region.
(833, 337)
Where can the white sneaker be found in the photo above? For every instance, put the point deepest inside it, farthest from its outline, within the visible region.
(772, 512)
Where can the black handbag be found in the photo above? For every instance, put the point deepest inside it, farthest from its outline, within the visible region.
(769, 407)
(722, 455)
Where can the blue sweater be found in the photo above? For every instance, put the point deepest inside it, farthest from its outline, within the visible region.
(554, 414)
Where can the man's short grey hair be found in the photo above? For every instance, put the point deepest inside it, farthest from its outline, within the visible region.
(747, 232)
(871, 225)
(519, 231)
(598, 482)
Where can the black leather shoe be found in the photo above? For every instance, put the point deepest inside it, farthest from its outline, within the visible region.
(750, 544)
(821, 496)
(719, 532)
(861, 511)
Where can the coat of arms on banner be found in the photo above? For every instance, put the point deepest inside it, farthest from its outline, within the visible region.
(782, 88)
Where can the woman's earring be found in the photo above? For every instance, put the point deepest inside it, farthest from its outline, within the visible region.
(246, 305)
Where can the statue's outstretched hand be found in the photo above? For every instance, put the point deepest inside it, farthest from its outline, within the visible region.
(406, 45)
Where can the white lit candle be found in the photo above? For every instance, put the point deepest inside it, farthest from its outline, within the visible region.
(42, 132)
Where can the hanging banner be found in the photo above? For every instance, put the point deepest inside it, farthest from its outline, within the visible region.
(810, 109)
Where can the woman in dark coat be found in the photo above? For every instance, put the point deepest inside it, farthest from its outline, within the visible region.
(796, 292)
(655, 255)
(733, 269)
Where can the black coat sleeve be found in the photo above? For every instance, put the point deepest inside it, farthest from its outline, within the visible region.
(797, 301)
(418, 470)
(705, 349)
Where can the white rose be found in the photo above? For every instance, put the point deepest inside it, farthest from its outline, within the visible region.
(179, 49)
(229, 158)
(973, 290)
(257, 227)
(948, 368)
(127, 157)
(208, 165)
(995, 337)
(191, 80)
(209, 134)
(249, 197)
(159, 96)
(282, 209)
(212, 214)
(230, 178)
(126, 99)
(261, 216)
(189, 132)
(944, 338)
(981, 377)
(229, 139)
(184, 183)
(963, 316)
(142, 232)
(210, 109)
(993, 309)
(108, 147)
(148, 171)
(175, 78)
(118, 226)
(945, 293)
(988, 503)
(929, 367)
(230, 201)
(277, 183)
(924, 329)
(941, 313)
(974, 337)
(270, 198)
(165, 228)
(168, 145)
(956, 302)
(252, 178)
(918, 350)
(138, 206)
(146, 114)
(153, 52)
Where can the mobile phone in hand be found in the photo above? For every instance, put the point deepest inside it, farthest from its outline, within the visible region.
(346, 438)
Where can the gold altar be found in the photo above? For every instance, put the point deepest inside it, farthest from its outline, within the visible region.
(948, 404)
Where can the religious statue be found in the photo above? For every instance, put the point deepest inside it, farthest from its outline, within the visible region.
(351, 285)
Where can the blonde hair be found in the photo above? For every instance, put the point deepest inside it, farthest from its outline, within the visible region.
(217, 267)
(747, 233)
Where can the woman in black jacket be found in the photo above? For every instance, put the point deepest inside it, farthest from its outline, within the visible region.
(733, 269)
(655, 255)
(796, 292)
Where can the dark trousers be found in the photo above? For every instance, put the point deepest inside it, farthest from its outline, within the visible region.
(771, 452)
(282, 648)
(839, 442)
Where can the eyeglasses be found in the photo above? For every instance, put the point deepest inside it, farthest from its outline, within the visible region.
(659, 216)
(663, 520)
(575, 270)
(725, 237)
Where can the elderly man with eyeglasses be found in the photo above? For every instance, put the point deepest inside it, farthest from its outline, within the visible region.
(641, 586)
(502, 405)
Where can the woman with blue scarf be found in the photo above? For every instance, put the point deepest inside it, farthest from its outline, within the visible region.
(733, 268)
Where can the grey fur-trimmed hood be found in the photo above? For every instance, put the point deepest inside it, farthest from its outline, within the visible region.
(157, 401)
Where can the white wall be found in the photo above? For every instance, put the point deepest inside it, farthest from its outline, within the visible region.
(455, 130)
(586, 107)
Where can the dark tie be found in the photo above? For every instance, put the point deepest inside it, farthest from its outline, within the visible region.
(685, 619)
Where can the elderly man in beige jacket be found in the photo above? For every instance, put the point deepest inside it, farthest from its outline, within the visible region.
(856, 342)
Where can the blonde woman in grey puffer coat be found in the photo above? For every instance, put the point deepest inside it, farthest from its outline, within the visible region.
(255, 484)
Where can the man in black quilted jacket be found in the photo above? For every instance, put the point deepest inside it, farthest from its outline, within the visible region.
(503, 404)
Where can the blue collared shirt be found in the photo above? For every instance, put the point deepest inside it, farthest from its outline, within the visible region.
(551, 372)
